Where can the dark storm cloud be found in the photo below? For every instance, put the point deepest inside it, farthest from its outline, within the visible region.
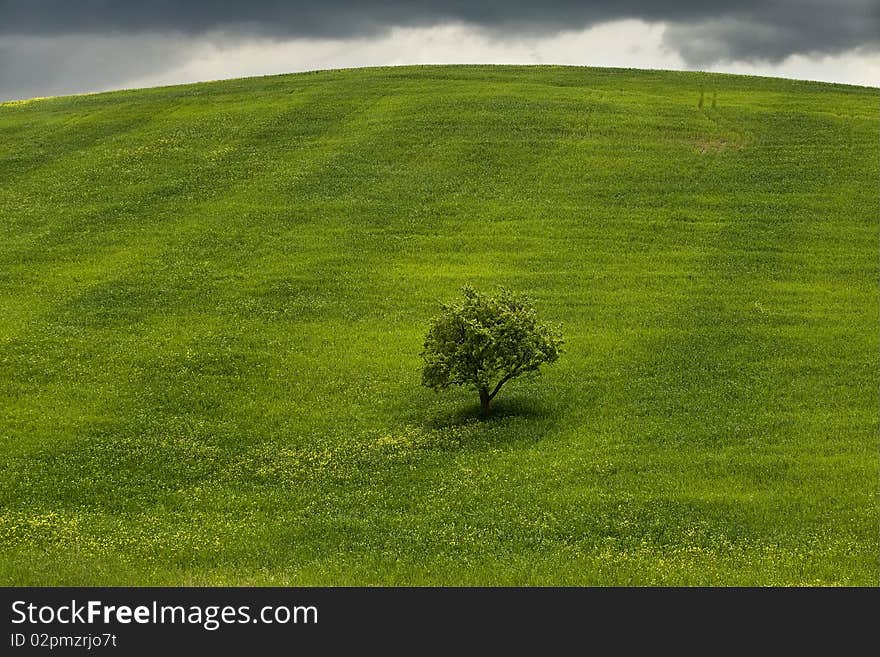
(62, 65)
(702, 32)
(777, 30)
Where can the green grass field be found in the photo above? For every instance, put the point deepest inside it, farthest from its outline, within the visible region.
(213, 298)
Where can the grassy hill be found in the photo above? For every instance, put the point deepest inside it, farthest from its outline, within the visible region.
(213, 298)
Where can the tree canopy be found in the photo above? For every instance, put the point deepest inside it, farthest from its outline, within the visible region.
(483, 341)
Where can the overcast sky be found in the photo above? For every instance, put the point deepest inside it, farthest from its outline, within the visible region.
(50, 47)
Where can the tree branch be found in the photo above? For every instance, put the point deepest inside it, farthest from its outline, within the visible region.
(505, 379)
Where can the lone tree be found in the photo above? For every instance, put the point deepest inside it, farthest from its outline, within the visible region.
(484, 341)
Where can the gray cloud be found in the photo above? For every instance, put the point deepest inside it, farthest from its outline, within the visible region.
(777, 31)
(52, 47)
(702, 32)
(58, 65)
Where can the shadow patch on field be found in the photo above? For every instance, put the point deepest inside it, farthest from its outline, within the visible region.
(199, 381)
(110, 304)
(461, 414)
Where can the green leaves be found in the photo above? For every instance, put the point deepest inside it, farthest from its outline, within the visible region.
(484, 341)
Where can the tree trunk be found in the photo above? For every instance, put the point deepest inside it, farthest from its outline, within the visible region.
(484, 401)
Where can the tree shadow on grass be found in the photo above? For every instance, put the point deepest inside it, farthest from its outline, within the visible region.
(457, 414)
